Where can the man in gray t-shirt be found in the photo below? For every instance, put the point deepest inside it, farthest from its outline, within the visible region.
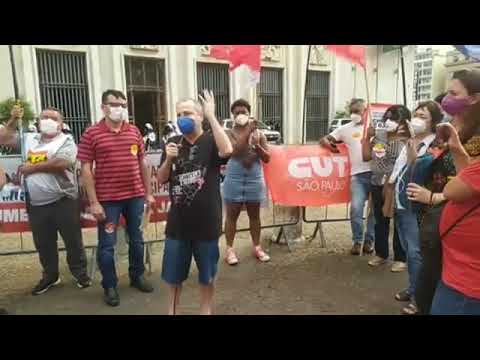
(48, 187)
(52, 196)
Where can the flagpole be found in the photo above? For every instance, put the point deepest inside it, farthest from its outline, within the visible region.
(15, 93)
(365, 126)
(365, 131)
(304, 121)
(403, 76)
(14, 73)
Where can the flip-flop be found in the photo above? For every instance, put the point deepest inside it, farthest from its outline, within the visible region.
(410, 309)
(402, 296)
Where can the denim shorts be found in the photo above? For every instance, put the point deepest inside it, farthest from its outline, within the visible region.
(177, 258)
(243, 185)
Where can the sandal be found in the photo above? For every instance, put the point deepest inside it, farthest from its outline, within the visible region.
(260, 254)
(231, 258)
(403, 296)
(410, 309)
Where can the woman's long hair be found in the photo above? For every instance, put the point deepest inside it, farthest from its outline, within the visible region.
(471, 123)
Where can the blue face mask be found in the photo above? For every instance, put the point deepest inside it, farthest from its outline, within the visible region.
(186, 125)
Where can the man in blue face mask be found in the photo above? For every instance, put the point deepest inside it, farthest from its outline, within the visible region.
(191, 165)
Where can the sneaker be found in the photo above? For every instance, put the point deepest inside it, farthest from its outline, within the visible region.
(84, 282)
(368, 248)
(377, 261)
(231, 257)
(260, 254)
(398, 266)
(142, 284)
(356, 249)
(45, 284)
(111, 297)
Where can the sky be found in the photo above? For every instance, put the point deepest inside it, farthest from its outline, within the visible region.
(446, 47)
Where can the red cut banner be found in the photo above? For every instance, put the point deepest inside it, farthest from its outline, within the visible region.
(308, 175)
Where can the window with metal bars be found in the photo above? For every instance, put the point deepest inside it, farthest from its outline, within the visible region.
(146, 92)
(270, 98)
(63, 83)
(215, 77)
(317, 104)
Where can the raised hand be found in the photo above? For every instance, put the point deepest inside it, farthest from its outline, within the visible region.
(208, 102)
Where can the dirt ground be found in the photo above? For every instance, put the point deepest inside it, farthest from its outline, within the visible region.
(307, 280)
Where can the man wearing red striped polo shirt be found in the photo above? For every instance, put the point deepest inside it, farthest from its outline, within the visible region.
(119, 185)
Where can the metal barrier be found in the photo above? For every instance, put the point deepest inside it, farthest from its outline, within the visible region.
(319, 222)
(275, 225)
(150, 238)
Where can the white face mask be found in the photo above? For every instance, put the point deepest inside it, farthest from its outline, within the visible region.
(125, 115)
(391, 126)
(241, 120)
(419, 126)
(152, 137)
(356, 119)
(49, 127)
(117, 114)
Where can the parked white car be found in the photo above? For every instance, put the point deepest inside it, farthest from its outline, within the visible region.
(336, 123)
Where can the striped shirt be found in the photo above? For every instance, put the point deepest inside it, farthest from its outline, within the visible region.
(116, 158)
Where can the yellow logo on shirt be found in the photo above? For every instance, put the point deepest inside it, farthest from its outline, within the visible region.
(356, 135)
(36, 157)
(379, 150)
(134, 150)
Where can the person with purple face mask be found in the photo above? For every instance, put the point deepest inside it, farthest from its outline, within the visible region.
(463, 93)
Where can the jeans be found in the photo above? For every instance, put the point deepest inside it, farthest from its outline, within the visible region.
(429, 274)
(360, 188)
(407, 227)
(132, 211)
(382, 229)
(448, 301)
(62, 216)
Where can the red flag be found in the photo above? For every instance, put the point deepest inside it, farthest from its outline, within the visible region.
(238, 55)
(353, 53)
(247, 57)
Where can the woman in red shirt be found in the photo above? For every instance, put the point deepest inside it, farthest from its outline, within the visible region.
(459, 291)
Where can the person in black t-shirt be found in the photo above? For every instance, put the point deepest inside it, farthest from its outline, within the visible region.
(191, 164)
